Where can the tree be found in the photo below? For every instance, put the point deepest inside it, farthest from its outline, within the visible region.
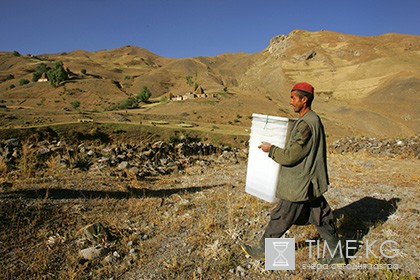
(57, 74)
(128, 103)
(189, 80)
(144, 95)
(39, 70)
(192, 81)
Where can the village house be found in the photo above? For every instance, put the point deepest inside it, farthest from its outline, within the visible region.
(43, 78)
(198, 93)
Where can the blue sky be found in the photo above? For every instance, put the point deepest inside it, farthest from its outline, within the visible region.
(189, 28)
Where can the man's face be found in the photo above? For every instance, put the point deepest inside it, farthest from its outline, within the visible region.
(296, 102)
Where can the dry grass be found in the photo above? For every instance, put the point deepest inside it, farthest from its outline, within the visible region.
(3, 168)
(346, 98)
(190, 226)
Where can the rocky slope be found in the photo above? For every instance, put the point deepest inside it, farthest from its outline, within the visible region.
(364, 85)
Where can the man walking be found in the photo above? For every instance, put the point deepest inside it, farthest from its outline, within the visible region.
(303, 179)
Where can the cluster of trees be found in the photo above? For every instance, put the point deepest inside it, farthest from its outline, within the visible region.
(58, 74)
(39, 70)
(55, 75)
(143, 96)
(133, 102)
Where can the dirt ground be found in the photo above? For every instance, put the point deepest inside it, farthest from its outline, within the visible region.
(189, 225)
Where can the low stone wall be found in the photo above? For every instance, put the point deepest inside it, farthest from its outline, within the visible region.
(407, 147)
(121, 159)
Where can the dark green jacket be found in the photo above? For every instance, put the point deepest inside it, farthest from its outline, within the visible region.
(303, 174)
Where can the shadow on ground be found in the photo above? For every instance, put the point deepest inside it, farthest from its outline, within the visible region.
(91, 194)
(356, 219)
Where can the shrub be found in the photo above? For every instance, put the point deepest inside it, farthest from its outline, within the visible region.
(189, 80)
(144, 95)
(23, 82)
(112, 107)
(83, 71)
(12, 86)
(16, 53)
(36, 76)
(129, 103)
(75, 104)
(82, 162)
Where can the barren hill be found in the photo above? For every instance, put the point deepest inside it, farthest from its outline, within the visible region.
(92, 189)
(364, 85)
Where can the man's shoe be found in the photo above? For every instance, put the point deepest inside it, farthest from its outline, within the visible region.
(335, 260)
(257, 253)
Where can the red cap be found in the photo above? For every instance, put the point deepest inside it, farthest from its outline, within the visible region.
(304, 87)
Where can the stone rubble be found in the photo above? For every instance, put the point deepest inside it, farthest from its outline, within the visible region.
(122, 159)
(161, 158)
(407, 147)
(149, 159)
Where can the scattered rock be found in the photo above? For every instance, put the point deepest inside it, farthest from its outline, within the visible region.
(409, 147)
(123, 165)
(240, 269)
(133, 161)
(310, 54)
(109, 259)
(92, 253)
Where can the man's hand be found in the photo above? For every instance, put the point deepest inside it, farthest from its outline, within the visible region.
(265, 146)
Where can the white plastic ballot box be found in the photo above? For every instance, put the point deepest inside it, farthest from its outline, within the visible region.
(262, 171)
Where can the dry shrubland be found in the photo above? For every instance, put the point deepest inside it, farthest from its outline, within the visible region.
(188, 224)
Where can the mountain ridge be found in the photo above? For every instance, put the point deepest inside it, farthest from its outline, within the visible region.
(347, 71)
